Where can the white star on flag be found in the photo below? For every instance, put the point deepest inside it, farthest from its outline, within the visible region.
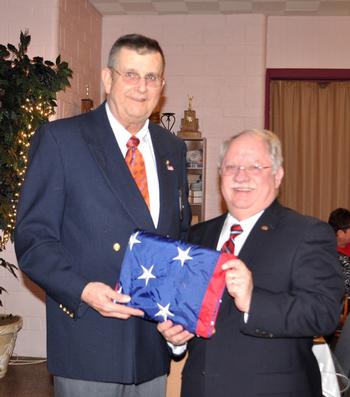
(147, 274)
(183, 255)
(164, 311)
(133, 240)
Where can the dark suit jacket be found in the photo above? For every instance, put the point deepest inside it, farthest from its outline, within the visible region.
(78, 207)
(297, 293)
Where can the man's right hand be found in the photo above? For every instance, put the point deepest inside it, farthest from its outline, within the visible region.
(175, 334)
(102, 298)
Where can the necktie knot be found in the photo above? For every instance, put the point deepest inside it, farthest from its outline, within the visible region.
(229, 245)
(133, 142)
(236, 230)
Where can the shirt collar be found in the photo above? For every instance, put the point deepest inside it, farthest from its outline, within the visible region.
(246, 224)
(121, 133)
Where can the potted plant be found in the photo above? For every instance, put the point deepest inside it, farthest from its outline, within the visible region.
(9, 326)
(28, 89)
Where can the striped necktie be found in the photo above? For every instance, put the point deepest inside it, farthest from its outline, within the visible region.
(229, 245)
(136, 164)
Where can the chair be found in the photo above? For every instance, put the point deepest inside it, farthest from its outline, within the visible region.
(345, 311)
(342, 348)
(343, 315)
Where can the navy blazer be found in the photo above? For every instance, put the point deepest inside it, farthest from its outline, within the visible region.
(298, 287)
(78, 206)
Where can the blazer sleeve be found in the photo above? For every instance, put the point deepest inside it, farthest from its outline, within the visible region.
(39, 250)
(311, 304)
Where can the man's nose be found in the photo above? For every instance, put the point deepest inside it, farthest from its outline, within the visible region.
(241, 174)
(142, 84)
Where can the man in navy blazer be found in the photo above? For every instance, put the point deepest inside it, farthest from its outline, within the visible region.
(78, 207)
(284, 288)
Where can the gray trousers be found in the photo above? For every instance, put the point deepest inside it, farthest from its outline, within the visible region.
(65, 387)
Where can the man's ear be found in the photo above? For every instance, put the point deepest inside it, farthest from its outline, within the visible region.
(278, 177)
(106, 77)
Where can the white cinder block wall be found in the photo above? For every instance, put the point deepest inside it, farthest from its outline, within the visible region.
(308, 42)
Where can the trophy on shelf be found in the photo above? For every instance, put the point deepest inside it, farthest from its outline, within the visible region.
(189, 124)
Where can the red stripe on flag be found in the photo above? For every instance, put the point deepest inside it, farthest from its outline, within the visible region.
(212, 299)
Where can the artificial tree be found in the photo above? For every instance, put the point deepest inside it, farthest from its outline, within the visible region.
(28, 89)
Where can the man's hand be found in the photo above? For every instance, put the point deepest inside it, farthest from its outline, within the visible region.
(175, 334)
(239, 283)
(101, 297)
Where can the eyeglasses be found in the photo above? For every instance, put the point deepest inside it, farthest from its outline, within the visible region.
(253, 170)
(133, 78)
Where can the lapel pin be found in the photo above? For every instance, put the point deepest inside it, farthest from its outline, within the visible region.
(169, 166)
(265, 228)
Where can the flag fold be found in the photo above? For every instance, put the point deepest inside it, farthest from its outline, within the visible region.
(174, 280)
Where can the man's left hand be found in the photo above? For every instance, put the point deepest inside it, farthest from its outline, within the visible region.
(239, 283)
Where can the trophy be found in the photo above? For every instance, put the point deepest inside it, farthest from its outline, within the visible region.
(189, 124)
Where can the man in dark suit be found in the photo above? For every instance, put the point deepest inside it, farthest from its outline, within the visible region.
(284, 288)
(78, 207)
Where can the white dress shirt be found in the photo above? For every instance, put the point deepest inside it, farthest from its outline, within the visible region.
(247, 225)
(146, 148)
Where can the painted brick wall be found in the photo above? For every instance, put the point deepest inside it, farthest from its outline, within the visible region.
(38, 16)
(308, 42)
(79, 43)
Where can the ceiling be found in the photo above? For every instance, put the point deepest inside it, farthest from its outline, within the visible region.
(210, 7)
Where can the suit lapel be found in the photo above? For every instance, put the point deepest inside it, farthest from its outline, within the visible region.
(105, 150)
(259, 237)
(256, 242)
(208, 234)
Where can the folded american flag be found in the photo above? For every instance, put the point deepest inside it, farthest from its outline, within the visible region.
(174, 280)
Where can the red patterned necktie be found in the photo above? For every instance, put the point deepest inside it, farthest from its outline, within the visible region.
(136, 166)
(229, 245)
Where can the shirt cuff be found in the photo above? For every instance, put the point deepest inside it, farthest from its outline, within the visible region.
(177, 350)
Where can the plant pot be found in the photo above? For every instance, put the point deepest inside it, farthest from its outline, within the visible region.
(9, 326)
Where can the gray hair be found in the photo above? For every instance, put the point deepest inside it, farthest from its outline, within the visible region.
(137, 42)
(272, 141)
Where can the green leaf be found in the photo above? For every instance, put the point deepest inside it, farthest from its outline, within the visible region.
(23, 81)
(3, 51)
(12, 48)
(24, 39)
(64, 65)
(38, 59)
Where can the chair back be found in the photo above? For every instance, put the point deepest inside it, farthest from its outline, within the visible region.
(342, 348)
